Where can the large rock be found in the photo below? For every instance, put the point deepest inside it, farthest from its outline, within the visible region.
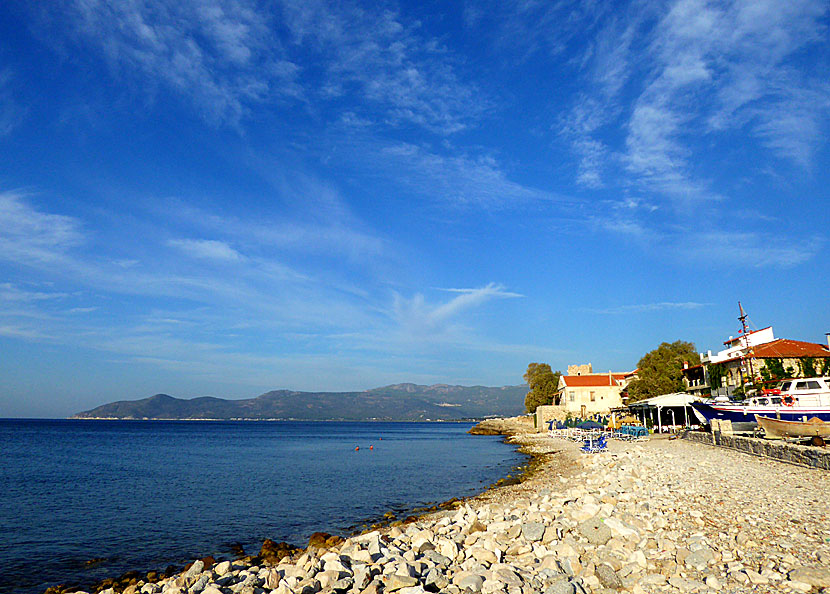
(472, 582)
(533, 531)
(607, 576)
(396, 582)
(560, 586)
(195, 569)
(699, 559)
(595, 531)
(324, 540)
(274, 552)
(818, 577)
(435, 580)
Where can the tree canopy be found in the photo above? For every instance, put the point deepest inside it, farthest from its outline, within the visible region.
(661, 371)
(543, 383)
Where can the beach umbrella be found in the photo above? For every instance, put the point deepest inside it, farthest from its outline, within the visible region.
(589, 425)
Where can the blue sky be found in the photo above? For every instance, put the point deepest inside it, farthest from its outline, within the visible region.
(223, 198)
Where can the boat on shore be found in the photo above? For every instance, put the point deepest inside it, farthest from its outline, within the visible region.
(813, 427)
(793, 400)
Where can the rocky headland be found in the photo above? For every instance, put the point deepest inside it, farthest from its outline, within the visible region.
(658, 516)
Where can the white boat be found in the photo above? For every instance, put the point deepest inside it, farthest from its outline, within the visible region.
(793, 400)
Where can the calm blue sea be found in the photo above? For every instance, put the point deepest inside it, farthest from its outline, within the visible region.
(147, 494)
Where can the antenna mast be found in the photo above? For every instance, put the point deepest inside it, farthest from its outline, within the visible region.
(742, 318)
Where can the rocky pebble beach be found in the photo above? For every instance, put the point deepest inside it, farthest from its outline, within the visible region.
(666, 515)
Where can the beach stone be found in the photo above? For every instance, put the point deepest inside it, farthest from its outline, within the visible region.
(448, 549)
(472, 582)
(342, 584)
(482, 555)
(308, 586)
(195, 569)
(396, 582)
(818, 577)
(607, 576)
(699, 559)
(437, 558)
(435, 580)
(204, 580)
(533, 531)
(560, 585)
(374, 587)
(421, 544)
(222, 568)
(595, 531)
(755, 577)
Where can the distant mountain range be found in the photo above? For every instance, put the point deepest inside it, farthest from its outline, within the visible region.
(400, 402)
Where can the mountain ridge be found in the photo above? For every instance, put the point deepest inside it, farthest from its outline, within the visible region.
(395, 402)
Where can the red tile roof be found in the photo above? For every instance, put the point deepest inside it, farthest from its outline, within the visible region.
(786, 348)
(593, 380)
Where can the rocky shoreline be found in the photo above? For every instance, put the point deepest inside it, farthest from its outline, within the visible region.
(660, 516)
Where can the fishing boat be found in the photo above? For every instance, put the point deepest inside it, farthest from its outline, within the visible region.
(813, 427)
(795, 400)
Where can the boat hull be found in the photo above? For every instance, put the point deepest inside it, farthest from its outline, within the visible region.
(743, 417)
(814, 427)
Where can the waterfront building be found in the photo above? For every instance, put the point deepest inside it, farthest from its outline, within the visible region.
(583, 393)
(753, 357)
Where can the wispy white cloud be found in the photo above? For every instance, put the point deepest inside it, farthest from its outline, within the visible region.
(209, 249)
(227, 57)
(649, 307)
(388, 62)
(726, 65)
(221, 55)
(417, 317)
(11, 293)
(457, 179)
(749, 249)
(32, 237)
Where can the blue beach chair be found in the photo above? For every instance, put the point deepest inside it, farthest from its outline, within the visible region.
(592, 446)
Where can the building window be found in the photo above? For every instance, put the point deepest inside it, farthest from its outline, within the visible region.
(593, 396)
(572, 396)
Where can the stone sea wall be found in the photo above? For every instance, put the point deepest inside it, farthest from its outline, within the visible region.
(813, 457)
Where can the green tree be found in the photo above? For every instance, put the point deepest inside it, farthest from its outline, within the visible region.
(661, 371)
(542, 383)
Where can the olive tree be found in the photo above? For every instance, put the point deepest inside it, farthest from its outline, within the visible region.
(661, 371)
(542, 383)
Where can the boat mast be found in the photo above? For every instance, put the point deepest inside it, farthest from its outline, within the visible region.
(742, 318)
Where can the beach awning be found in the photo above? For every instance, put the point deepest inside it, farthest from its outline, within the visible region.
(675, 399)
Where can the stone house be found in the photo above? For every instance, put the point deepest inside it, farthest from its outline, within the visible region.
(585, 393)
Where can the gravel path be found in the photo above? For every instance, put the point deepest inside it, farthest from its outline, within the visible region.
(761, 519)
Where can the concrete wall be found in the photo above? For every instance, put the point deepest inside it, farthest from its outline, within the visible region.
(778, 450)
